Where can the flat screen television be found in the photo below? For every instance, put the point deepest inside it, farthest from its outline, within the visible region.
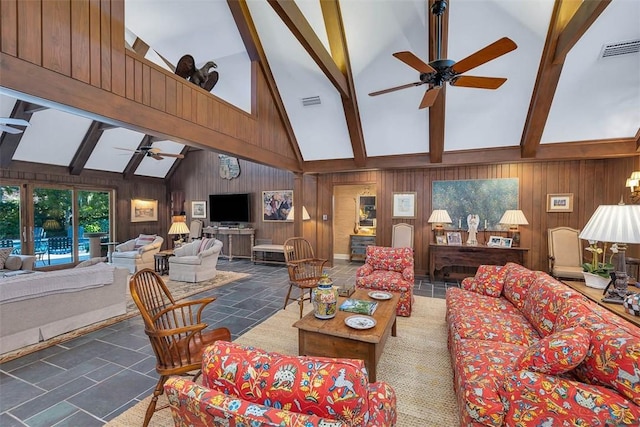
(230, 208)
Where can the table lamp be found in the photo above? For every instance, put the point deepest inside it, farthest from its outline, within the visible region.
(439, 217)
(178, 227)
(618, 224)
(633, 183)
(513, 218)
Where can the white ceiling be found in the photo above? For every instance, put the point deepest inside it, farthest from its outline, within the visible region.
(595, 98)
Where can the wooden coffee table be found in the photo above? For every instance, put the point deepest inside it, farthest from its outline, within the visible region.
(333, 338)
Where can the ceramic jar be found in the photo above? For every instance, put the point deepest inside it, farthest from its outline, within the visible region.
(325, 299)
(632, 304)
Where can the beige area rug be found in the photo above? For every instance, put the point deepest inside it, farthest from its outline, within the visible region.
(179, 290)
(415, 363)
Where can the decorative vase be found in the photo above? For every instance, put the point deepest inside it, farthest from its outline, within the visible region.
(325, 299)
(632, 304)
(595, 281)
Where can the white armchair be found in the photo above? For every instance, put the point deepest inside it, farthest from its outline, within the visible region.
(136, 254)
(195, 261)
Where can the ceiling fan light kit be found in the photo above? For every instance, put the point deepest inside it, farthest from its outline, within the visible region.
(440, 71)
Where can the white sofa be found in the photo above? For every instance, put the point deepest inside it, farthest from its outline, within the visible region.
(17, 264)
(40, 305)
(190, 264)
(133, 257)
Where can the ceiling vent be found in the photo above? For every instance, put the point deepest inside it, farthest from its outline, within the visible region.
(620, 48)
(312, 100)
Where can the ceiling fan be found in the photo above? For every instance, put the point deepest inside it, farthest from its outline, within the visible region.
(149, 151)
(436, 73)
(5, 121)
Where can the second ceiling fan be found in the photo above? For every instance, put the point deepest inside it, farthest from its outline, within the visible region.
(153, 152)
(440, 71)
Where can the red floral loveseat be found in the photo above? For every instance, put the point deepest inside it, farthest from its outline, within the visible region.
(245, 386)
(528, 350)
(391, 270)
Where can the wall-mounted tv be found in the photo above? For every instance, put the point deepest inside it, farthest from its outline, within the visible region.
(231, 208)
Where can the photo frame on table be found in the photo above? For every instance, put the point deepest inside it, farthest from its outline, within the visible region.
(199, 209)
(454, 238)
(276, 205)
(441, 240)
(506, 242)
(404, 205)
(560, 202)
(494, 241)
(143, 210)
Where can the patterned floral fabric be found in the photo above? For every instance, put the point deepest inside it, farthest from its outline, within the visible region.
(330, 388)
(557, 353)
(565, 403)
(389, 269)
(489, 280)
(459, 299)
(195, 406)
(516, 283)
(507, 328)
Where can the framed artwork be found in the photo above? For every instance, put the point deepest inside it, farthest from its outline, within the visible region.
(276, 205)
(494, 241)
(454, 238)
(198, 209)
(506, 242)
(441, 240)
(144, 210)
(560, 202)
(404, 205)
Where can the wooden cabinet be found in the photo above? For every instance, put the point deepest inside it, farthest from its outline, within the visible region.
(358, 245)
(441, 256)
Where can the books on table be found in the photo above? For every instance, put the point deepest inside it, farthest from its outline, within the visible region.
(359, 306)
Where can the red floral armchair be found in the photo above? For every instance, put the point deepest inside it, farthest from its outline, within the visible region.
(391, 270)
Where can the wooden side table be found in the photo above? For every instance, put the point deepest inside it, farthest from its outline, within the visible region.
(162, 261)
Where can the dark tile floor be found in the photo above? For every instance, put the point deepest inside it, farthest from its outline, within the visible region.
(92, 379)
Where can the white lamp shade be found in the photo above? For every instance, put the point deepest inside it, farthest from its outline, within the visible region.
(514, 217)
(305, 214)
(614, 224)
(635, 176)
(440, 216)
(179, 228)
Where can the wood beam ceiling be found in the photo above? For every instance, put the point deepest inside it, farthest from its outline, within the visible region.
(9, 142)
(86, 147)
(569, 21)
(136, 159)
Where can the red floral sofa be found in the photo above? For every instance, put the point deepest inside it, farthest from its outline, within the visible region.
(528, 350)
(391, 270)
(245, 386)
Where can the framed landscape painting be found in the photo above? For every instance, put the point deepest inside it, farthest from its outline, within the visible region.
(199, 209)
(144, 210)
(560, 202)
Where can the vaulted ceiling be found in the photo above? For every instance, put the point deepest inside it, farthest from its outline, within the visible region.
(562, 97)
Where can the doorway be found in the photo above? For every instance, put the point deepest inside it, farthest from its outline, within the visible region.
(348, 213)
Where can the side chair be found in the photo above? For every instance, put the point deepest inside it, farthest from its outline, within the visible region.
(304, 269)
(176, 331)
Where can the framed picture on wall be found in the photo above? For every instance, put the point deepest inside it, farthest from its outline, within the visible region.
(404, 205)
(198, 209)
(144, 210)
(276, 205)
(560, 202)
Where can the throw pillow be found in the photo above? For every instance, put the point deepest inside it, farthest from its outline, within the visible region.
(206, 244)
(4, 254)
(13, 263)
(557, 353)
(144, 240)
(90, 262)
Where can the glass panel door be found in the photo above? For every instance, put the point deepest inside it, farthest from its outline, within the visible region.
(52, 225)
(10, 217)
(93, 222)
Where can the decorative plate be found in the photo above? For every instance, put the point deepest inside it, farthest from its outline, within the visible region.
(360, 322)
(380, 295)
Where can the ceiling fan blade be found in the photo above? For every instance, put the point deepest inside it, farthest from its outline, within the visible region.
(414, 62)
(430, 97)
(12, 121)
(478, 82)
(125, 149)
(392, 89)
(156, 156)
(9, 129)
(177, 156)
(486, 54)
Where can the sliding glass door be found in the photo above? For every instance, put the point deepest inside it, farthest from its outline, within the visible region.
(10, 217)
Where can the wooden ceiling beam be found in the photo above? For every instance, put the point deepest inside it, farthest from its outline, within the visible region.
(437, 110)
(293, 18)
(9, 142)
(638, 141)
(88, 144)
(175, 164)
(136, 159)
(340, 53)
(570, 19)
(249, 35)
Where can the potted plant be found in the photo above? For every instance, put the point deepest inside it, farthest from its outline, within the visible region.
(598, 274)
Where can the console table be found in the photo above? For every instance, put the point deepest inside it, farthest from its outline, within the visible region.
(596, 296)
(230, 232)
(441, 256)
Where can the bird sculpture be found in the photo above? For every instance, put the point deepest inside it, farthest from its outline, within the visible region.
(203, 77)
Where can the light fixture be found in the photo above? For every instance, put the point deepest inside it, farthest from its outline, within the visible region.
(51, 224)
(305, 214)
(618, 224)
(633, 183)
(439, 217)
(513, 218)
(178, 227)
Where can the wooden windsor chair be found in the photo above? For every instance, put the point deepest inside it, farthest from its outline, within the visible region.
(304, 269)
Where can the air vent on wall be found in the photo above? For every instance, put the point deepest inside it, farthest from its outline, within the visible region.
(620, 48)
(312, 100)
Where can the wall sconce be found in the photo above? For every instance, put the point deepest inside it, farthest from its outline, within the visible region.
(633, 182)
(305, 214)
(439, 217)
(514, 218)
